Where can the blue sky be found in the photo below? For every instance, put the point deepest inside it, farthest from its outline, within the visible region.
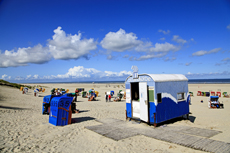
(57, 40)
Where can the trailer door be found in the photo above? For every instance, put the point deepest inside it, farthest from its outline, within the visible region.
(143, 101)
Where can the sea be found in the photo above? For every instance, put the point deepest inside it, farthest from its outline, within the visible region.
(190, 81)
(209, 81)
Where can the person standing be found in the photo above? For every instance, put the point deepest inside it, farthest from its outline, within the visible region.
(106, 97)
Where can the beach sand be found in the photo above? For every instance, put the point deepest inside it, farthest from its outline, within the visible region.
(25, 129)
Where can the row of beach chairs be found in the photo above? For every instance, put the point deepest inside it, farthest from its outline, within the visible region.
(211, 93)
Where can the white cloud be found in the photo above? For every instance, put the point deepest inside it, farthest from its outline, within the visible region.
(23, 56)
(179, 40)
(164, 32)
(120, 41)
(35, 76)
(203, 52)
(166, 47)
(19, 78)
(159, 47)
(228, 27)
(157, 51)
(149, 56)
(81, 72)
(66, 47)
(62, 46)
(162, 38)
(4, 76)
(28, 76)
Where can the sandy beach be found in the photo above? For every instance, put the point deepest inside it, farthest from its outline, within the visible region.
(25, 129)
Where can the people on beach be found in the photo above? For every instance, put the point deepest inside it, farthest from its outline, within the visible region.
(106, 97)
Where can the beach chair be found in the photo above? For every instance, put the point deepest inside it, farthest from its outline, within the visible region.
(25, 90)
(92, 97)
(112, 93)
(21, 88)
(198, 93)
(213, 93)
(52, 91)
(84, 94)
(117, 99)
(203, 93)
(96, 92)
(214, 102)
(36, 92)
(225, 94)
(218, 94)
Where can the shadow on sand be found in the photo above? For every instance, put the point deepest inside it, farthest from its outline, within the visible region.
(81, 119)
(191, 119)
(15, 108)
(82, 111)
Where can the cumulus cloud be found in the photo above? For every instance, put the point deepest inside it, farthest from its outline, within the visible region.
(158, 47)
(117, 74)
(120, 41)
(18, 78)
(164, 32)
(166, 47)
(28, 76)
(35, 76)
(81, 72)
(156, 51)
(62, 46)
(228, 27)
(178, 39)
(203, 52)
(66, 47)
(4, 76)
(23, 56)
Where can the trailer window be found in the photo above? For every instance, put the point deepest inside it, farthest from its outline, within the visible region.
(180, 96)
(159, 100)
